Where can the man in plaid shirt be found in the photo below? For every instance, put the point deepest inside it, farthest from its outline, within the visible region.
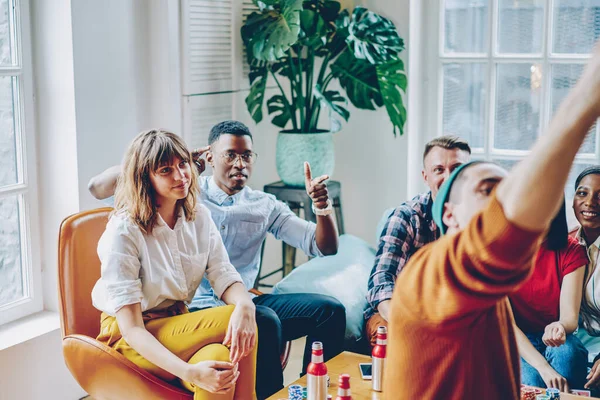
(409, 228)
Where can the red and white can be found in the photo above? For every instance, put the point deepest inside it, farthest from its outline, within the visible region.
(378, 358)
(344, 388)
(316, 375)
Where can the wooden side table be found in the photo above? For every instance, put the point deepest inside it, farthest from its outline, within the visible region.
(297, 199)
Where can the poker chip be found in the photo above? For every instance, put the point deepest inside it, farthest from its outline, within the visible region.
(528, 393)
(553, 393)
(542, 397)
(295, 392)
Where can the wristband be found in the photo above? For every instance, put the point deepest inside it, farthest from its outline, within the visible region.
(323, 211)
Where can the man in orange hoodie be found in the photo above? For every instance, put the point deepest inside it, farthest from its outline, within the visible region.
(451, 327)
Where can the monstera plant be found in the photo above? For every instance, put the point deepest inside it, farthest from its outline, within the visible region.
(302, 47)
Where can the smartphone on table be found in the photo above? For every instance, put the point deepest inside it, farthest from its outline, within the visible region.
(365, 371)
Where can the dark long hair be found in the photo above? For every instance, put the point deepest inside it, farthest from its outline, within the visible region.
(557, 236)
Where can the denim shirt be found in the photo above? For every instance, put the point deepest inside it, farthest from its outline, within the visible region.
(243, 221)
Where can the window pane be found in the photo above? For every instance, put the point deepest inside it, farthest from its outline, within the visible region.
(517, 105)
(506, 164)
(520, 25)
(8, 150)
(11, 275)
(5, 37)
(576, 26)
(564, 77)
(464, 102)
(466, 26)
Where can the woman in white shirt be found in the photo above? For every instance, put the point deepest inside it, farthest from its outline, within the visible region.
(157, 246)
(586, 205)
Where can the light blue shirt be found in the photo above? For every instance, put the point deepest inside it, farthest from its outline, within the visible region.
(244, 220)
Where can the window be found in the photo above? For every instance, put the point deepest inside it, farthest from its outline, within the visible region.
(503, 68)
(20, 292)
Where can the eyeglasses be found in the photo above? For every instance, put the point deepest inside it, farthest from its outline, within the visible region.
(230, 158)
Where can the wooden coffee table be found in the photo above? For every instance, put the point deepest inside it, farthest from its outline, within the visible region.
(344, 363)
(347, 363)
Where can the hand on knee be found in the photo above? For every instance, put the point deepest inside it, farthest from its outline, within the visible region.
(213, 376)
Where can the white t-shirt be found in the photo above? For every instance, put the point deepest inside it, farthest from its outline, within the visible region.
(163, 267)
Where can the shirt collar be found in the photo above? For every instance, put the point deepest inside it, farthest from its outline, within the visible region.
(428, 202)
(160, 222)
(581, 239)
(218, 196)
(428, 212)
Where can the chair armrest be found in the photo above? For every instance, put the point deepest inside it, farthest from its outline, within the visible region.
(256, 292)
(106, 374)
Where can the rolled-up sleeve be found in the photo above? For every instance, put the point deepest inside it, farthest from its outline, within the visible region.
(286, 226)
(219, 271)
(119, 284)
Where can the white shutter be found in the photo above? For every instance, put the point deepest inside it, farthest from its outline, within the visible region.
(200, 113)
(207, 45)
(241, 12)
(248, 8)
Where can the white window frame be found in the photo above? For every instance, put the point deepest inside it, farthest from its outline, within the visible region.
(434, 60)
(32, 300)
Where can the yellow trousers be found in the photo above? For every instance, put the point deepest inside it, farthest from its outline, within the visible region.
(193, 337)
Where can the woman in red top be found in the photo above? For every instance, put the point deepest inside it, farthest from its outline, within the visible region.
(546, 310)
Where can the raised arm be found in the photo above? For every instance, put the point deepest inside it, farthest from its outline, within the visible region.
(104, 184)
(326, 234)
(533, 190)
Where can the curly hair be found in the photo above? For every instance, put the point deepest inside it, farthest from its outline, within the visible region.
(134, 193)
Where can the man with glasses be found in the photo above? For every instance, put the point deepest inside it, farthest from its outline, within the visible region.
(244, 217)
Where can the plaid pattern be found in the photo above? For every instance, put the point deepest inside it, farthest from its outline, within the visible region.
(407, 229)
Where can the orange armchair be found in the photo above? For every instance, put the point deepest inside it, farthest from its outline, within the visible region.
(101, 371)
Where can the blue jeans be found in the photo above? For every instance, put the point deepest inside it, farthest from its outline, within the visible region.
(283, 317)
(569, 360)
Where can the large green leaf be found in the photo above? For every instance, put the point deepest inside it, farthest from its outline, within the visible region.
(359, 80)
(265, 4)
(336, 42)
(329, 100)
(392, 81)
(256, 96)
(330, 10)
(283, 68)
(277, 105)
(313, 30)
(271, 32)
(373, 37)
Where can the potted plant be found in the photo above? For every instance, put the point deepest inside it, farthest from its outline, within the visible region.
(305, 46)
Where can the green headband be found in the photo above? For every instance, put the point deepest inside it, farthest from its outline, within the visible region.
(443, 195)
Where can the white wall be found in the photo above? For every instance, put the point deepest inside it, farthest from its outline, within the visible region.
(112, 85)
(34, 370)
